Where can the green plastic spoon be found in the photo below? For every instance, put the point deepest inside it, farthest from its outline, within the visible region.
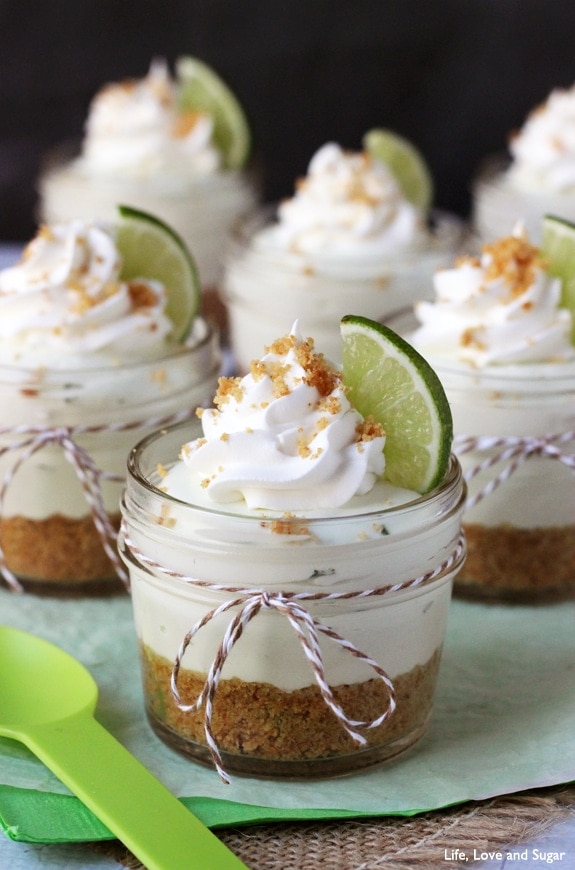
(47, 702)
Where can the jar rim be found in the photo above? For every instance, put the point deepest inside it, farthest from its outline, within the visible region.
(444, 231)
(452, 482)
(535, 375)
(208, 337)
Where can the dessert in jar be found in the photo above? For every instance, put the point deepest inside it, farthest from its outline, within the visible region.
(500, 341)
(536, 178)
(348, 239)
(309, 595)
(89, 363)
(177, 147)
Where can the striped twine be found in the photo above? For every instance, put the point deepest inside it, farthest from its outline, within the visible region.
(28, 440)
(513, 452)
(307, 630)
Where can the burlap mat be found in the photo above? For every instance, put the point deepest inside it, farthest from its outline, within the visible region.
(418, 842)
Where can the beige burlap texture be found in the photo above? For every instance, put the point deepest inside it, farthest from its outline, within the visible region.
(424, 842)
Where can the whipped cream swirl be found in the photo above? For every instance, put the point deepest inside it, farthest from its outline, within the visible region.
(285, 437)
(64, 303)
(349, 203)
(543, 150)
(502, 307)
(135, 129)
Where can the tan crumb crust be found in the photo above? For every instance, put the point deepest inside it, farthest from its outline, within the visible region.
(506, 562)
(259, 720)
(56, 550)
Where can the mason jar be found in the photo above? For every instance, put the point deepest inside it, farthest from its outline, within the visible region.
(499, 203)
(514, 428)
(515, 438)
(265, 288)
(64, 439)
(315, 640)
(201, 210)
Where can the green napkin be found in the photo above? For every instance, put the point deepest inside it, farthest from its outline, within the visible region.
(503, 723)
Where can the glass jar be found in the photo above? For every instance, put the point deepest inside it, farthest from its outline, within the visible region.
(514, 428)
(201, 209)
(64, 440)
(265, 289)
(380, 581)
(498, 204)
(516, 424)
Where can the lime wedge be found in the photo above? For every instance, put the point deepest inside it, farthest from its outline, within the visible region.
(200, 89)
(405, 162)
(151, 249)
(389, 380)
(558, 248)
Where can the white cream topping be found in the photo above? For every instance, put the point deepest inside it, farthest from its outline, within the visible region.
(348, 204)
(543, 150)
(135, 130)
(284, 437)
(64, 305)
(502, 307)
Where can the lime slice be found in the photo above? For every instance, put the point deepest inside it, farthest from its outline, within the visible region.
(558, 248)
(405, 162)
(389, 380)
(151, 249)
(202, 90)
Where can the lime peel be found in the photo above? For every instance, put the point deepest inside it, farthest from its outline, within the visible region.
(151, 249)
(405, 162)
(389, 380)
(200, 88)
(558, 248)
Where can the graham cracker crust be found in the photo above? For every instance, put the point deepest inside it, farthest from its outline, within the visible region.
(263, 730)
(511, 564)
(58, 554)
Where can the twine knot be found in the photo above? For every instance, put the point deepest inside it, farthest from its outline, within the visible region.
(511, 452)
(29, 439)
(248, 603)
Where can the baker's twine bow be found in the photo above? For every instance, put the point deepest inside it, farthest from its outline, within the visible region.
(513, 452)
(28, 440)
(307, 630)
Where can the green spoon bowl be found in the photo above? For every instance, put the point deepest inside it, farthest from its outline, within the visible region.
(47, 702)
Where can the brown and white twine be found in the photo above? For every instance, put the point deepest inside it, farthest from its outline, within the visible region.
(248, 603)
(512, 452)
(29, 439)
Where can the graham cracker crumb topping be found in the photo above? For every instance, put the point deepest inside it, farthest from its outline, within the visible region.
(368, 429)
(228, 388)
(319, 373)
(141, 295)
(185, 123)
(286, 526)
(165, 519)
(516, 261)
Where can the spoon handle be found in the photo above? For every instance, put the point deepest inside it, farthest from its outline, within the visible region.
(123, 794)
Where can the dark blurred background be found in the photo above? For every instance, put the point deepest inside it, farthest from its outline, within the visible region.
(455, 76)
